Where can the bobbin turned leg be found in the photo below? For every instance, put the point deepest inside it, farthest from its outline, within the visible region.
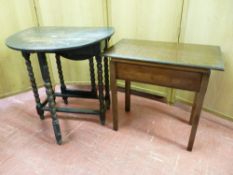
(39, 109)
(92, 76)
(101, 94)
(50, 94)
(61, 78)
(106, 73)
(127, 95)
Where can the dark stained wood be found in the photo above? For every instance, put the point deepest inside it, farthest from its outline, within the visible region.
(40, 112)
(54, 39)
(92, 76)
(50, 95)
(75, 43)
(127, 95)
(61, 78)
(106, 78)
(101, 93)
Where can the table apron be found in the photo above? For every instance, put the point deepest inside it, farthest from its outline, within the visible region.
(163, 76)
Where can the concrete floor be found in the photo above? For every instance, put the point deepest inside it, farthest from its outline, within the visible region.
(151, 140)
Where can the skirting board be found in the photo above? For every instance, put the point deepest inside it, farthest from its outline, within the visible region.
(217, 113)
(136, 88)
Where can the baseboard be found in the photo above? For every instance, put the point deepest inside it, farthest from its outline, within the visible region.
(218, 114)
(144, 92)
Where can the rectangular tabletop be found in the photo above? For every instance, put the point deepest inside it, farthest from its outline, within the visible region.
(189, 55)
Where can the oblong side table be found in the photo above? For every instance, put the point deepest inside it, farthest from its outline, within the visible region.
(181, 66)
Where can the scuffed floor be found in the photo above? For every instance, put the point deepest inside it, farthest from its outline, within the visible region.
(151, 140)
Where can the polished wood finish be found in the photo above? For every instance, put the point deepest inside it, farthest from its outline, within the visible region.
(128, 66)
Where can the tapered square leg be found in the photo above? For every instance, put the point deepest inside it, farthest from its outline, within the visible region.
(197, 106)
(114, 95)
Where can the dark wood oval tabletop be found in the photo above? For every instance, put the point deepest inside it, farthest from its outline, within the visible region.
(51, 39)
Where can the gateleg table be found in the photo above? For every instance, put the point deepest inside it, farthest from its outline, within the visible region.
(75, 43)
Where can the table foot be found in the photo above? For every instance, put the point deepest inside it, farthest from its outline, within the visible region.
(52, 107)
(40, 112)
(65, 99)
(57, 131)
(102, 118)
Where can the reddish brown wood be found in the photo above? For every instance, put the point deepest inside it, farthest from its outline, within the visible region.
(163, 75)
(197, 109)
(194, 79)
(114, 95)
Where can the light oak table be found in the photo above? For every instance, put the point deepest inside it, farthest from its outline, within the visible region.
(181, 66)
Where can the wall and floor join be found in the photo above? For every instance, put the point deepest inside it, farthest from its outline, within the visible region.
(189, 21)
